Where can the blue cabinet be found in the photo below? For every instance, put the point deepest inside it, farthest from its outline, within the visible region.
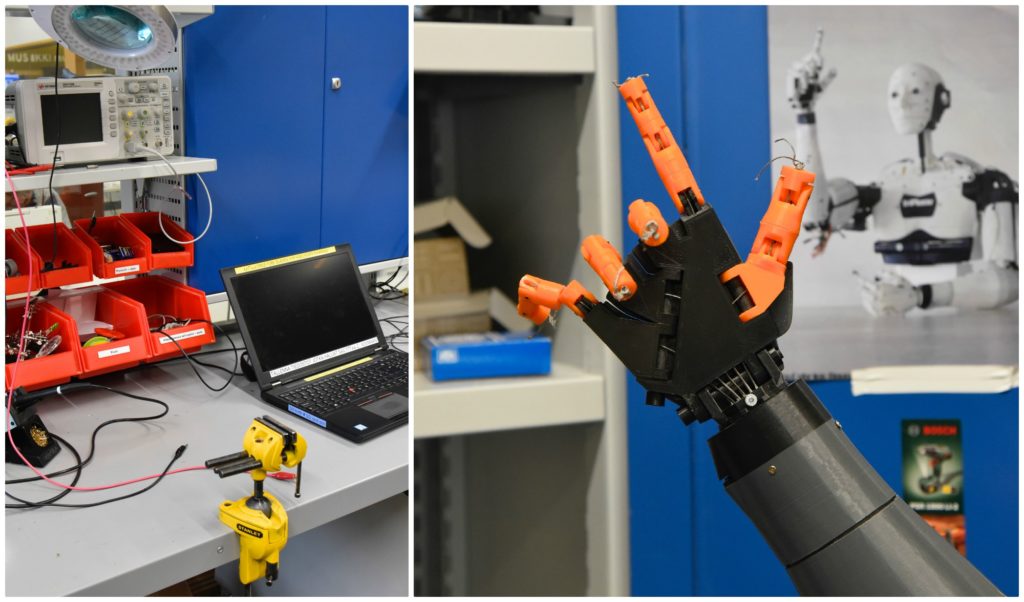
(299, 165)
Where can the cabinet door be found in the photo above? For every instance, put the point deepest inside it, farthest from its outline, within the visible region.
(254, 94)
(366, 131)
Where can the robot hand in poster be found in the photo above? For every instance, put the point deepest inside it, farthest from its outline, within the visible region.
(698, 327)
(925, 211)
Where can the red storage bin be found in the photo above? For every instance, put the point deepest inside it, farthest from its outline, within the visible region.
(125, 315)
(54, 369)
(16, 249)
(148, 224)
(164, 296)
(69, 248)
(112, 230)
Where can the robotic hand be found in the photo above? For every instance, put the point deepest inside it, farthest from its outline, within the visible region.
(804, 80)
(889, 294)
(698, 327)
(718, 366)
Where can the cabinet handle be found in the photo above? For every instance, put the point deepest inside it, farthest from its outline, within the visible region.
(335, 83)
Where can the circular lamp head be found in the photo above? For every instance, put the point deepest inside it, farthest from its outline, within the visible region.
(119, 37)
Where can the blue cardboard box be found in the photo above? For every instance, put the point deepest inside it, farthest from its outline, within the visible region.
(487, 354)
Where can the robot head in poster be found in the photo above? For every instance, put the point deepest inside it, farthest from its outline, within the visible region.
(917, 98)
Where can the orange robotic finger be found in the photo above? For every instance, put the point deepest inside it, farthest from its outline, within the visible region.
(607, 262)
(539, 297)
(646, 222)
(665, 152)
(757, 282)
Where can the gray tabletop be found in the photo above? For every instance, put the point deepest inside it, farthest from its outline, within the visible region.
(834, 341)
(172, 532)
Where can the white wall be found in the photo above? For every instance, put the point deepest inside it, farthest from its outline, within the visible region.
(21, 30)
(976, 51)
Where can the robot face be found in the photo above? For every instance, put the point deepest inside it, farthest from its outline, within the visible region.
(914, 90)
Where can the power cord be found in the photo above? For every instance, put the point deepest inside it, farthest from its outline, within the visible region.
(56, 150)
(166, 471)
(95, 432)
(401, 326)
(78, 474)
(383, 288)
(133, 147)
(192, 362)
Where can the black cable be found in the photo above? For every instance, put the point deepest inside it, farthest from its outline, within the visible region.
(74, 481)
(95, 432)
(177, 454)
(192, 362)
(398, 324)
(56, 150)
(383, 288)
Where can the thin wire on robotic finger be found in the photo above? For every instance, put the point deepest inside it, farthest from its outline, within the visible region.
(797, 163)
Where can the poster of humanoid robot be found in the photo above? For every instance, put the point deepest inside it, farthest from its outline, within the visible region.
(909, 117)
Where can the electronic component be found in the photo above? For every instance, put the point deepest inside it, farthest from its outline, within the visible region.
(95, 119)
(112, 253)
(38, 343)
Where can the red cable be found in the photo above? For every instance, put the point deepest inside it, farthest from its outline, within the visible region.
(14, 376)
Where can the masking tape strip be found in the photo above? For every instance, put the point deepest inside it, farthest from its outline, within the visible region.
(338, 369)
(252, 267)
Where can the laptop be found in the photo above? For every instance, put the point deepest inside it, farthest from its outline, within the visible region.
(315, 343)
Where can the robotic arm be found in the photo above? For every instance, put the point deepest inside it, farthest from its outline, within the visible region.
(838, 203)
(698, 327)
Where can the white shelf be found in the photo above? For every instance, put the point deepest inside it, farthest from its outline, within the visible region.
(472, 48)
(112, 172)
(566, 396)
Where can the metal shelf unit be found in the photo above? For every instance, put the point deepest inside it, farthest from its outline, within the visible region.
(507, 49)
(112, 172)
(567, 396)
(536, 121)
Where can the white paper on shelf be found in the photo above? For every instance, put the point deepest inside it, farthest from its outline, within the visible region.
(934, 379)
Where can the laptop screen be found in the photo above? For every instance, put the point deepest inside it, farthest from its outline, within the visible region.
(302, 313)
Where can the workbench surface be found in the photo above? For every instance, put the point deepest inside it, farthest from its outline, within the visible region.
(172, 532)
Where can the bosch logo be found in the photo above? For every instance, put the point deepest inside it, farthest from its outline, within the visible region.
(940, 429)
(913, 430)
(249, 531)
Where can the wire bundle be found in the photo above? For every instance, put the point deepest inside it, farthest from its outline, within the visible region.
(388, 290)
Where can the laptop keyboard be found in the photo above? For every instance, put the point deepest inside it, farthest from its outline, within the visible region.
(336, 391)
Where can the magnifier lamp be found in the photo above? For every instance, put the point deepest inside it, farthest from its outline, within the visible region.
(120, 37)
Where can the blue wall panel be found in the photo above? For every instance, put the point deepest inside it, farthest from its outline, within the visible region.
(254, 101)
(709, 76)
(366, 125)
(659, 447)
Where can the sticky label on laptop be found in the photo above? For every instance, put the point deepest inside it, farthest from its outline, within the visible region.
(252, 267)
(338, 369)
(318, 421)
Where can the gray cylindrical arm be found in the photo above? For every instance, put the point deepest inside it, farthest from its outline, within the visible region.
(825, 512)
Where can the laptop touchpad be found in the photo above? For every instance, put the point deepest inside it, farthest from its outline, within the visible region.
(388, 407)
